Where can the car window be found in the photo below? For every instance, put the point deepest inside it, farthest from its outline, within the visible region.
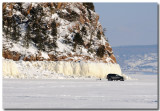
(112, 74)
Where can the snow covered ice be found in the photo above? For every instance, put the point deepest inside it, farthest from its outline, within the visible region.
(81, 93)
(45, 84)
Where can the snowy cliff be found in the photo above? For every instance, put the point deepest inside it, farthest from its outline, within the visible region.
(53, 39)
(54, 32)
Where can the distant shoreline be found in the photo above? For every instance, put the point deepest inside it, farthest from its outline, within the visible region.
(135, 45)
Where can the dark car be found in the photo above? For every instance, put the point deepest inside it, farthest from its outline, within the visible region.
(112, 77)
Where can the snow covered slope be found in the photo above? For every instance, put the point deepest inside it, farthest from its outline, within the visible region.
(54, 32)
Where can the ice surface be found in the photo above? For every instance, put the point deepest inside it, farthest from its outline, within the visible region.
(10, 68)
(37, 69)
(81, 93)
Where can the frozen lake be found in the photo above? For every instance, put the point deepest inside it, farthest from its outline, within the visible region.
(81, 93)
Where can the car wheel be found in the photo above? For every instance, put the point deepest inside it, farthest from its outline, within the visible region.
(121, 79)
(110, 79)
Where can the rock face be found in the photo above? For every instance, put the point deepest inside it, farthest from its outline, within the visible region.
(54, 32)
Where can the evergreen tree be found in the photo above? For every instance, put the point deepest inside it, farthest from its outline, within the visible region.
(54, 28)
(83, 30)
(15, 29)
(38, 31)
(98, 35)
(100, 51)
(8, 30)
(78, 40)
(27, 36)
(53, 43)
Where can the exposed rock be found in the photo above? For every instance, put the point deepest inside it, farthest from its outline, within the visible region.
(113, 58)
(11, 55)
(52, 57)
(64, 31)
(89, 6)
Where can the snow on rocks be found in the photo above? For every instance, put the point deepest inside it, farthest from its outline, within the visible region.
(72, 22)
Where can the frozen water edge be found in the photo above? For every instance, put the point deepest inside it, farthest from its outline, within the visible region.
(81, 93)
(57, 70)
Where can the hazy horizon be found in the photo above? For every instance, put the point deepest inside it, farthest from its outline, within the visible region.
(136, 45)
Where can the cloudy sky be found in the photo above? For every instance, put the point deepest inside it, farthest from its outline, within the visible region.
(129, 23)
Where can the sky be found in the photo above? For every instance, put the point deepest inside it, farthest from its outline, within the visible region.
(129, 23)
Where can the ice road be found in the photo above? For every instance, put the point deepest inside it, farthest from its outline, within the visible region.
(81, 93)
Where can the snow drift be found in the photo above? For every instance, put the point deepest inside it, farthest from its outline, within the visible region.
(34, 69)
